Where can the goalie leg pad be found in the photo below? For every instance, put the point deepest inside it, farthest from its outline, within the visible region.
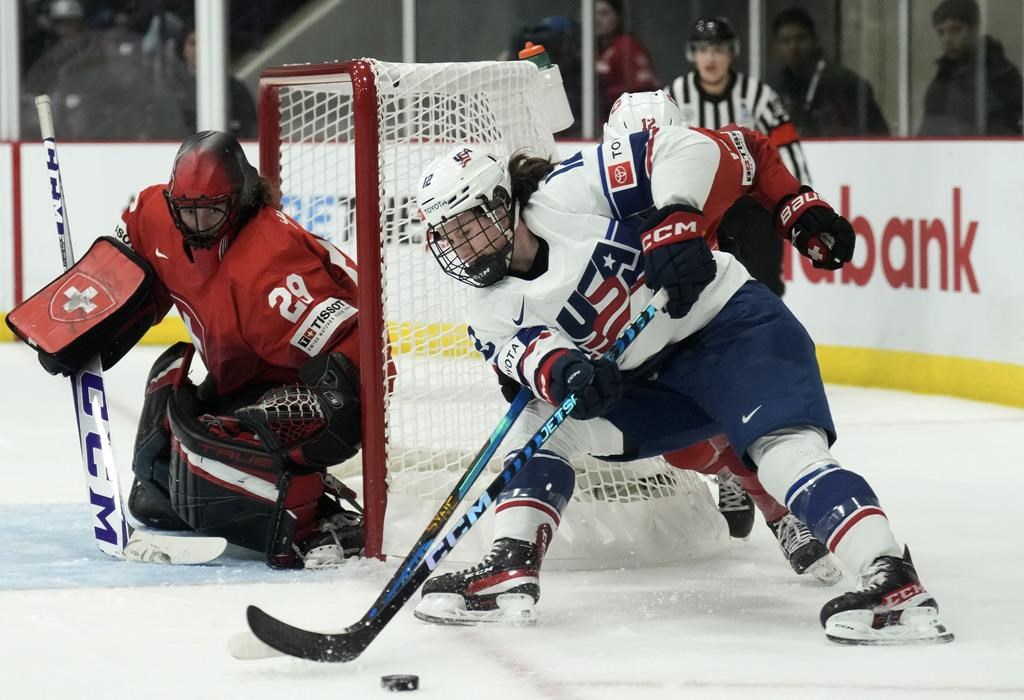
(150, 501)
(223, 482)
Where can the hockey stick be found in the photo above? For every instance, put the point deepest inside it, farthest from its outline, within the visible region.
(244, 646)
(352, 641)
(111, 531)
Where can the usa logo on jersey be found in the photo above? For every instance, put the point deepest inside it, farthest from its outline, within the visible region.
(598, 309)
(463, 157)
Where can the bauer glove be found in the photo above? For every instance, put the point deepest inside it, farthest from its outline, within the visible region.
(815, 229)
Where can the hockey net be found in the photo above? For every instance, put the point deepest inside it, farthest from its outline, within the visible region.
(346, 142)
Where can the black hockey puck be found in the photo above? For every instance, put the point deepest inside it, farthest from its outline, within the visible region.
(400, 682)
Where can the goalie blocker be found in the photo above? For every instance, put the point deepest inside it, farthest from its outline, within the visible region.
(257, 474)
(102, 306)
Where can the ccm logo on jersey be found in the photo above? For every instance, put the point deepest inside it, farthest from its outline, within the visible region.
(321, 322)
(619, 168)
(680, 226)
(798, 202)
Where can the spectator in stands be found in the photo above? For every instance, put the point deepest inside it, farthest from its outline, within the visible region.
(951, 103)
(36, 35)
(823, 98)
(69, 38)
(623, 64)
(241, 108)
(100, 83)
(560, 36)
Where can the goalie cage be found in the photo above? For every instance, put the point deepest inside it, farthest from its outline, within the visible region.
(346, 142)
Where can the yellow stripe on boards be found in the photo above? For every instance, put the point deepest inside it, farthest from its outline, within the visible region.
(980, 380)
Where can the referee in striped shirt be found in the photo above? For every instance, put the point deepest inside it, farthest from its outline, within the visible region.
(715, 95)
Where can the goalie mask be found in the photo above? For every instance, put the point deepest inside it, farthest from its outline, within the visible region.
(465, 201)
(641, 111)
(213, 188)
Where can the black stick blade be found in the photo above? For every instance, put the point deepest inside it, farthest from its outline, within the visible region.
(303, 644)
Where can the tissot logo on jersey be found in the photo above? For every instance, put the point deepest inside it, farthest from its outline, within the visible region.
(121, 234)
(598, 310)
(743, 154)
(320, 324)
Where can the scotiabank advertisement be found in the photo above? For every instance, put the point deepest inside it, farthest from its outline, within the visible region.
(937, 244)
(931, 301)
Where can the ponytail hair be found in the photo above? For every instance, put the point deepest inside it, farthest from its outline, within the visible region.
(527, 172)
(267, 193)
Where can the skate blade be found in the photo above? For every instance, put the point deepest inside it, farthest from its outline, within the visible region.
(916, 626)
(825, 570)
(514, 609)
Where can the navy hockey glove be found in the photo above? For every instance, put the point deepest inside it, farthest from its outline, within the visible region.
(815, 229)
(676, 256)
(596, 383)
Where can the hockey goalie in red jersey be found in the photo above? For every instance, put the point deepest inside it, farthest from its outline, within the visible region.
(270, 308)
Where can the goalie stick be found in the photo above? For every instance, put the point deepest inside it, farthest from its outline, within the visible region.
(349, 643)
(112, 533)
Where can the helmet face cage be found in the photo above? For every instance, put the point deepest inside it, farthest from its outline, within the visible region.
(203, 221)
(213, 188)
(475, 246)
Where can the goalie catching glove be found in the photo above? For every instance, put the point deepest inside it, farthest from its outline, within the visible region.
(265, 489)
(676, 256)
(315, 424)
(815, 229)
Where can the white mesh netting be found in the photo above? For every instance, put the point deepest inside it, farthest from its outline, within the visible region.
(446, 401)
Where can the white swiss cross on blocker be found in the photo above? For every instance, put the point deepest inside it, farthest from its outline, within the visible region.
(79, 300)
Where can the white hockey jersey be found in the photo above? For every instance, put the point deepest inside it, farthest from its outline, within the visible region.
(588, 211)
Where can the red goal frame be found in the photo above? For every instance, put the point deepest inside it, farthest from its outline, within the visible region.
(368, 252)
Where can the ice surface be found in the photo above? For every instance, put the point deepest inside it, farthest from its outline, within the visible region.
(739, 624)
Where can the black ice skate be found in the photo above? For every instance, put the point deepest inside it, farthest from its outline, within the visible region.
(504, 587)
(735, 506)
(152, 508)
(890, 606)
(337, 537)
(804, 553)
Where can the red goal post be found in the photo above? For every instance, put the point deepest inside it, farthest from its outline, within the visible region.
(346, 143)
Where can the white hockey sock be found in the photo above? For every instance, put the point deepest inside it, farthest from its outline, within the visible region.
(797, 469)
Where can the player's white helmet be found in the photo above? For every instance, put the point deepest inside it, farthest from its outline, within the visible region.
(465, 200)
(641, 111)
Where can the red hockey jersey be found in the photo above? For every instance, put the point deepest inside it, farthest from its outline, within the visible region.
(257, 307)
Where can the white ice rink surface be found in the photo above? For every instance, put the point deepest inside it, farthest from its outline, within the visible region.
(740, 624)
